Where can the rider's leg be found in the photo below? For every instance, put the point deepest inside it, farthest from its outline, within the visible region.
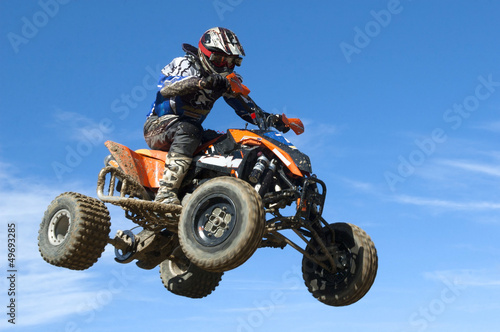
(176, 167)
(185, 139)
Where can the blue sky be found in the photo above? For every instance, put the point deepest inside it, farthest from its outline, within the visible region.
(400, 100)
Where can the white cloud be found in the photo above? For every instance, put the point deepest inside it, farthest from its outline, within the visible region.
(47, 296)
(79, 127)
(359, 185)
(447, 204)
(45, 293)
(316, 138)
(485, 169)
(490, 126)
(465, 278)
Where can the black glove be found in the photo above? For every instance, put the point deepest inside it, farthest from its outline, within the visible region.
(216, 82)
(279, 124)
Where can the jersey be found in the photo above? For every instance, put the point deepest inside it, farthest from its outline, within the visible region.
(179, 94)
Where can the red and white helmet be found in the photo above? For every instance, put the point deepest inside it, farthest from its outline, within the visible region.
(219, 51)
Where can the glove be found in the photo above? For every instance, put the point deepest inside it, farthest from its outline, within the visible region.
(279, 124)
(216, 82)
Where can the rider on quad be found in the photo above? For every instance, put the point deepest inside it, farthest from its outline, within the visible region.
(188, 89)
(240, 196)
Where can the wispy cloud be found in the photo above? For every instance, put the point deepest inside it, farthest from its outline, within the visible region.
(466, 277)
(46, 293)
(49, 296)
(486, 169)
(365, 187)
(261, 285)
(77, 126)
(446, 204)
(316, 138)
(490, 126)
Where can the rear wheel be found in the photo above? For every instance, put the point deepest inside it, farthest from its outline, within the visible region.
(74, 231)
(222, 224)
(356, 265)
(183, 278)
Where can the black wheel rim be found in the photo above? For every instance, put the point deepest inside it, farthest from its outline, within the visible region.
(214, 220)
(343, 260)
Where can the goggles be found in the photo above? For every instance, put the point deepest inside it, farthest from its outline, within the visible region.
(223, 60)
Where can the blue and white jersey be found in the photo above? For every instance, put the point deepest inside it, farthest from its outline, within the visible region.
(180, 83)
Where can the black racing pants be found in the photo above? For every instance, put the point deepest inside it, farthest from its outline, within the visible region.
(173, 134)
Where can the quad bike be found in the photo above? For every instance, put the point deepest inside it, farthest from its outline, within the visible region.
(236, 179)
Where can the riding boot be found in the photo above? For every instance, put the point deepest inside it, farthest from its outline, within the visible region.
(176, 167)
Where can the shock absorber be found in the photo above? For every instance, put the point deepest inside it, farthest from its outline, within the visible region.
(259, 168)
(263, 187)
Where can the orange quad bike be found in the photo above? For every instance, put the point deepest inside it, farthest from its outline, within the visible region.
(236, 179)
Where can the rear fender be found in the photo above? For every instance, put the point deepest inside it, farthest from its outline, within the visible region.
(146, 167)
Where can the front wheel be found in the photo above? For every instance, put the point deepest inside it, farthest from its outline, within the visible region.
(222, 224)
(74, 231)
(356, 262)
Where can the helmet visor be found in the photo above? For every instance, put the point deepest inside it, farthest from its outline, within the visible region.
(224, 60)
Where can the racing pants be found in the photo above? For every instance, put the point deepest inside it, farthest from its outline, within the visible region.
(173, 134)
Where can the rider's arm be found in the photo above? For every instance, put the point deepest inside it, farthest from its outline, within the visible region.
(178, 86)
(178, 78)
(243, 106)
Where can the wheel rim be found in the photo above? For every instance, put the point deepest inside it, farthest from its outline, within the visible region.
(59, 227)
(215, 220)
(343, 262)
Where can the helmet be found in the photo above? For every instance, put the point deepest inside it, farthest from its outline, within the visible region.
(219, 51)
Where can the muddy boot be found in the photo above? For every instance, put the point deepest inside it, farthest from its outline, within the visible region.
(176, 167)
